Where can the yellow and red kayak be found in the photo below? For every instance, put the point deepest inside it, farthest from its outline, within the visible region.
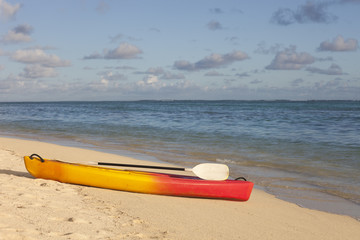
(137, 181)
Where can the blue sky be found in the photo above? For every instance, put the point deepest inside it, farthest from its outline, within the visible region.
(157, 49)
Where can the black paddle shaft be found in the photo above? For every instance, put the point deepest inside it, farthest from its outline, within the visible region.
(141, 166)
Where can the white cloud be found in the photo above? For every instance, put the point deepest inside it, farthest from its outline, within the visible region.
(334, 69)
(172, 76)
(184, 65)
(104, 81)
(102, 85)
(161, 73)
(38, 71)
(38, 56)
(111, 76)
(39, 64)
(151, 79)
(14, 37)
(109, 81)
(8, 11)
(123, 51)
(19, 34)
(15, 84)
(154, 70)
(339, 44)
(289, 59)
(212, 61)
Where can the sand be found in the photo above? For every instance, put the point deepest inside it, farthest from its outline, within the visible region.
(42, 209)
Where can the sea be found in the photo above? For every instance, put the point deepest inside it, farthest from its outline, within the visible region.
(305, 152)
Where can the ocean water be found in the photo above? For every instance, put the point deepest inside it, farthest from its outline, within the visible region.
(306, 152)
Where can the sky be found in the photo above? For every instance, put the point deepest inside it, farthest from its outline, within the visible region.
(173, 50)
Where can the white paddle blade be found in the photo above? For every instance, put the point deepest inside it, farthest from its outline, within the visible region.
(211, 171)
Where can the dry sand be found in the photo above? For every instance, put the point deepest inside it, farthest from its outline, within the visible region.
(42, 209)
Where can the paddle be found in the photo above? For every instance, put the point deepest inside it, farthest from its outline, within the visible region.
(207, 171)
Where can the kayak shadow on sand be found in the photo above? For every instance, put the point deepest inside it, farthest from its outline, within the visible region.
(16, 173)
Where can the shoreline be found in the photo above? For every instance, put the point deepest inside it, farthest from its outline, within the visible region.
(39, 209)
(307, 199)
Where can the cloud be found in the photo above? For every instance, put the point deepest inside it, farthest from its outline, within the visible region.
(256, 81)
(38, 56)
(111, 76)
(116, 38)
(297, 82)
(289, 59)
(214, 25)
(151, 79)
(263, 49)
(339, 44)
(216, 10)
(311, 12)
(24, 29)
(214, 74)
(155, 71)
(38, 71)
(242, 75)
(172, 76)
(7, 84)
(123, 51)
(39, 63)
(19, 34)
(150, 87)
(109, 81)
(102, 7)
(332, 70)
(314, 12)
(124, 68)
(324, 59)
(212, 61)
(8, 11)
(95, 55)
(335, 84)
(161, 73)
(120, 36)
(283, 16)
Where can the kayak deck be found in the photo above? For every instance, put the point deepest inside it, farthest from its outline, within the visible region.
(137, 181)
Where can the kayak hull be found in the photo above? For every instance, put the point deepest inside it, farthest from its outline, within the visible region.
(137, 181)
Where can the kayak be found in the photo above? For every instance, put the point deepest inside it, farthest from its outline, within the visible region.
(137, 181)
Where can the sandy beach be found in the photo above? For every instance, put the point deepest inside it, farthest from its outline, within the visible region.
(41, 209)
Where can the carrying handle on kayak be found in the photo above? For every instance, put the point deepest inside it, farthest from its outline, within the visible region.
(241, 178)
(36, 155)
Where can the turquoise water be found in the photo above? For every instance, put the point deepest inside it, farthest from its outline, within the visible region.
(307, 152)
